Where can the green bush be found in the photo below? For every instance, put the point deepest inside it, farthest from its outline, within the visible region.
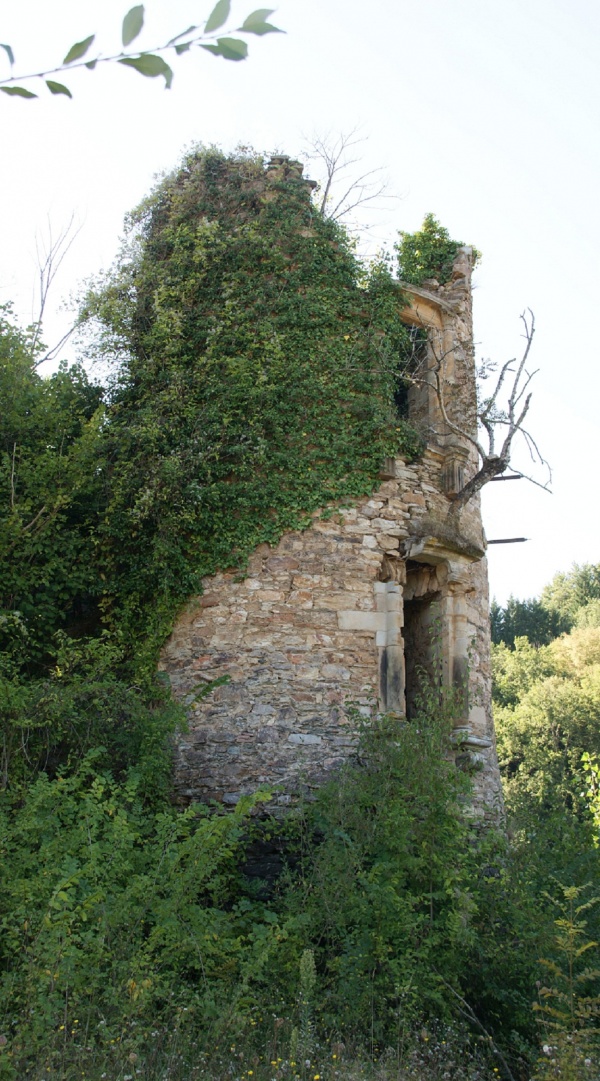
(87, 700)
(428, 253)
(403, 899)
(129, 928)
(51, 494)
(114, 918)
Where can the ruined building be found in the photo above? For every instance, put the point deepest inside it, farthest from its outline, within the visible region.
(353, 609)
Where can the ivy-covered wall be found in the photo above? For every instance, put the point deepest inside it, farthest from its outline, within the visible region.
(258, 364)
(315, 619)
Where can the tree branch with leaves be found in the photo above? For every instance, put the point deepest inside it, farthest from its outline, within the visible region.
(148, 62)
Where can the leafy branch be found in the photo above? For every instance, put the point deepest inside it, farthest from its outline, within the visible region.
(148, 62)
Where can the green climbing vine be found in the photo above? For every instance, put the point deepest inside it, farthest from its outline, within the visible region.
(258, 362)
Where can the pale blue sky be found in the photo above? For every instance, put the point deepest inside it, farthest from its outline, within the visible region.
(485, 112)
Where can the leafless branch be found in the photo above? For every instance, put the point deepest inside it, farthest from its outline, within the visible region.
(495, 413)
(439, 386)
(339, 191)
(33, 521)
(39, 522)
(51, 354)
(423, 373)
(50, 252)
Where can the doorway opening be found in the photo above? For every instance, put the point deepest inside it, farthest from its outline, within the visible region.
(422, 636)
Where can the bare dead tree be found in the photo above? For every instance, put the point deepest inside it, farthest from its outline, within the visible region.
(342, 188)
(51, 251)
(501, 415)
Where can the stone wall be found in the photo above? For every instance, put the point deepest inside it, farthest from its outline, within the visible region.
(304, 634)
(342, 612)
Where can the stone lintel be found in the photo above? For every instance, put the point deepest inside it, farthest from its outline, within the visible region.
(431, 549)
(424, 308)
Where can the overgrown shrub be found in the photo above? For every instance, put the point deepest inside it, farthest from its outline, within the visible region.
(129, 930)
(428, 253)
(116, 919)
(51, 494)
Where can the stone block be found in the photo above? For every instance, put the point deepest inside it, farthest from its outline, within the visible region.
(301, 598)
(282, 563)
(335, 671)
(387, 542)
(311, 581)
(209, 600)
(268, 735)
(197, 735)
(361, 621)
(307, 672)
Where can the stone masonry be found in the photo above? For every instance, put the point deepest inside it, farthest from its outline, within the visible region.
(351, 610)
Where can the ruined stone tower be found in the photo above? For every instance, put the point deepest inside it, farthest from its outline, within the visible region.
(353, 609)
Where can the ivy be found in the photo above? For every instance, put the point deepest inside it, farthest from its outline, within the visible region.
(258, 361)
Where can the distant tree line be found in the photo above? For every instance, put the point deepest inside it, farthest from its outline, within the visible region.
(571, 599)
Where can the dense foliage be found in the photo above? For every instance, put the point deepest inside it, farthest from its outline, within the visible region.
(547, 713)
(428, 254)
(548, 717)
(526, 619)
(258, 366)
(50, 496)
(255, 369)
(131, 932)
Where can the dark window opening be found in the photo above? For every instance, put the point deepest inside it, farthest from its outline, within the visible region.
(411, 357)
(401, 398)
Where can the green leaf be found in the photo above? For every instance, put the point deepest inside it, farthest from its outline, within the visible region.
(132, 24)
(260, 15)
(9, 53)
(179, 49)
(91, 64)
(18, 91)
(218, 16)
(78, 50)
(256, 23)
(150, 65)
(58, 88)
(229, 48)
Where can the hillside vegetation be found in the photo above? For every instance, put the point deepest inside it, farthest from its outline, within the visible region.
(254, 369)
